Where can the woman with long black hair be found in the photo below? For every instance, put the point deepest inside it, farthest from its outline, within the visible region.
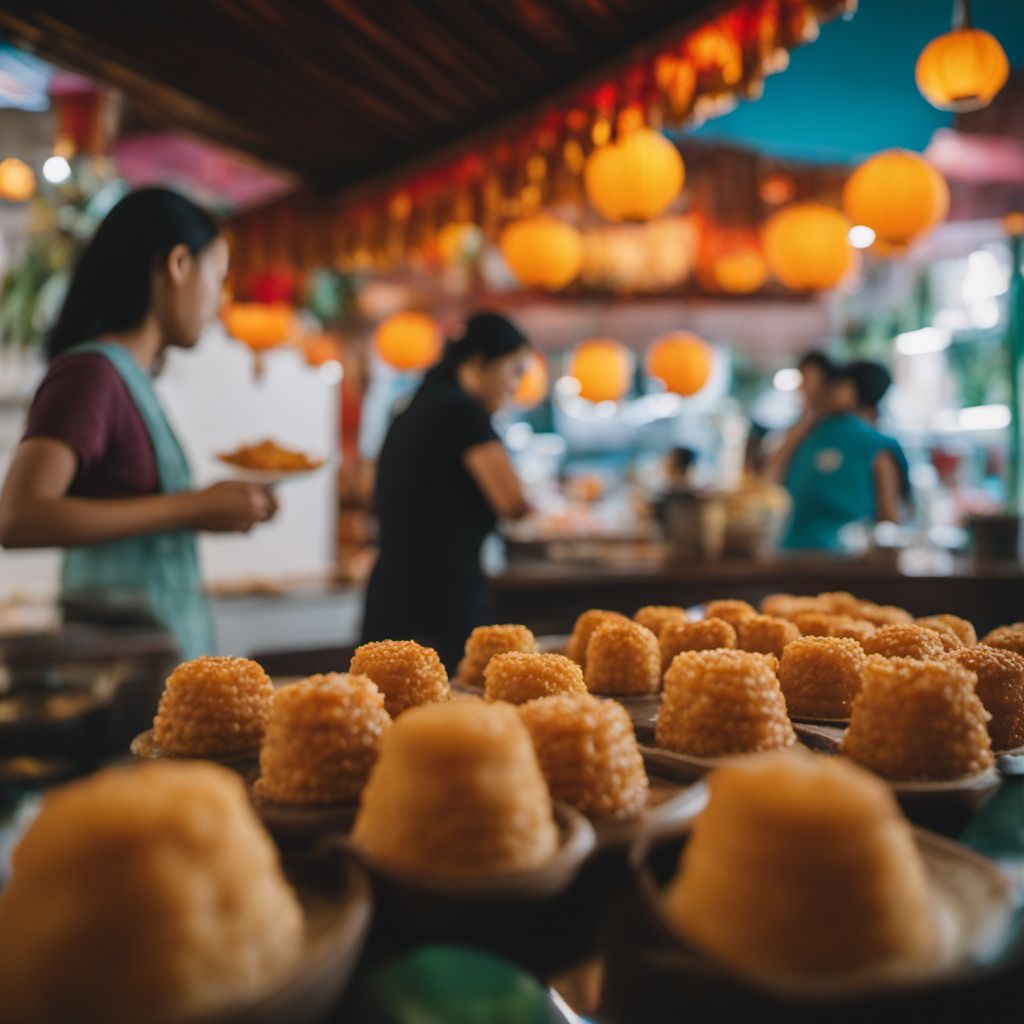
(100, 472)
(443, 479)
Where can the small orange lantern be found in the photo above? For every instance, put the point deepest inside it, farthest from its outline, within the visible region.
(898, 194)
(259, 325)
(17, 180)
(635, 178)
(807, 246)
(542, 252)
(682, 362)
(408, 341)
(731, 259)
(603, 368)
(962, 70)
(455, 240)
(533, 385)
(321, 348)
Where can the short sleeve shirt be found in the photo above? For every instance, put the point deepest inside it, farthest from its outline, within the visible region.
(83, 402)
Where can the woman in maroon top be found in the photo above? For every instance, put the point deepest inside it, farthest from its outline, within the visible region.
(99, 471)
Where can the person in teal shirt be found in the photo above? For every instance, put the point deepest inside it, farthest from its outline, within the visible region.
(100, 472)
(841, 470)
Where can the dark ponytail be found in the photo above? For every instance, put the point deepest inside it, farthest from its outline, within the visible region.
(487, 334)
(111, 284)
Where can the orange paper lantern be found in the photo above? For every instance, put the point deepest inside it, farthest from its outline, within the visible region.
(741, 270)
(259, 325)
(408, 341)
(807, 246)
(603, 368)
(635, 178)
(898, 194)
(17, 180)
(962, 70)
(682, 362)
(542, 252)
(321, 348)
(533, 385)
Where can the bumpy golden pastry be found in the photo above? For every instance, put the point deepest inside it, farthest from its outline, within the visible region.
(212, 707)
(404, 671)
(790, 833)
(1007, 638)
(487, 641)
(518, 678)
(963, 629)
(1000, 688)
(905, 641)
(147, 893)
(732, 611)
(788, 606)
(881, 614)
(839, 602)
(918, 720)
(723, 702)
(820, 676)
(588, 753)
(623, 658)
(656, 616)
(829, 624)
(765, 634)
(585, 625)
(322, 740)
(457, 792)
(702, 635)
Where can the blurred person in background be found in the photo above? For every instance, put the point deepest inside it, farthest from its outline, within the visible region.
(873, 381)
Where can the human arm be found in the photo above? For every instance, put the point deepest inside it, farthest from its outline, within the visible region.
(36, 510)
(887, 488)
(778, 463)
(490, 467)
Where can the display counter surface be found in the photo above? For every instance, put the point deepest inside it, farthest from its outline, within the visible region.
(548, 596)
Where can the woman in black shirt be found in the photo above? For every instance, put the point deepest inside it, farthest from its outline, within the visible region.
(443, 480)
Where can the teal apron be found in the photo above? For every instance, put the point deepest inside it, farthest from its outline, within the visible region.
(161, 569)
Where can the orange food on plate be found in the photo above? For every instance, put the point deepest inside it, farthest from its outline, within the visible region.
(820, 676)
(269, 456)
(732, 611)
(881, 614)
(406, 672)
(905, 641)
(702, 635)
(1001, 689)
(765, 634)
(585, 624)
(1008, 638)
(623, 658)
(656, 616)
(487, 641)
(830, 624)
(517, 677)
(963, 629)
(918, 720)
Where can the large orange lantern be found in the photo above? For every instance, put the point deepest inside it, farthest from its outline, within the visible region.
(898, 194)
(542, 252)
(962, 70)
(682, 362)
(260, 325)
(17, 180)
(408, 341)
(635, 178)
(731, 259)
(603, 368)
(533, 385)
(807, 246)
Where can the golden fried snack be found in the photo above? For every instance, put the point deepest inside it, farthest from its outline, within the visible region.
(623, 658)
(1007, 638)
(212, 707)
(1000, 688)
(702, 635)
(905, 641)
(588, 753)
(839, 602)
(322, 740)
(791, 833)
(723, 702)
(732, 611)
(582, 630)
(147, 893)
(820, 676)
(487, 641)
(270, 456)
(404, 671)
(963, 629)
(881, 614)
(656, 616)
(787, 606)
(946, 634)
(518, 678)
(765, 634)
(457, 792)
(828, 624)
(918, 720)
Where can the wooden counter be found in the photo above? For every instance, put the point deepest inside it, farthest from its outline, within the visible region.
(548, 596)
